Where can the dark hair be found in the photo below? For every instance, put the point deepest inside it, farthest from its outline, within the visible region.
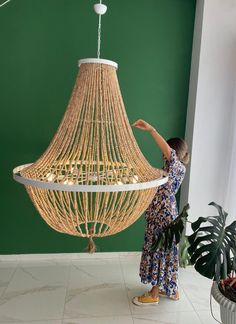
(180, 147)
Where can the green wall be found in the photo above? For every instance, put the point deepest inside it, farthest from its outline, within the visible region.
(41, 42)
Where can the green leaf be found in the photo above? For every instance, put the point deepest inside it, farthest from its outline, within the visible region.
(173, 232)
(212, 246)
(205, 267)
(184, 257)
(195, 225)
(197, 242)
(221, 211)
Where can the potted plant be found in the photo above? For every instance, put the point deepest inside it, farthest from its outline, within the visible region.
(213, 253)
(212, 250)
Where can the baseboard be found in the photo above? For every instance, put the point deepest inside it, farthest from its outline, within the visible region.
(67, 256)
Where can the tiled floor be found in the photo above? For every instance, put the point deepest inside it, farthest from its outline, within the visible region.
(94, 290)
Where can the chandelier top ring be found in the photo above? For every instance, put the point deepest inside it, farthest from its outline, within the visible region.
(97, 60)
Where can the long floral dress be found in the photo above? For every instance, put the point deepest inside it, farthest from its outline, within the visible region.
(161, 267)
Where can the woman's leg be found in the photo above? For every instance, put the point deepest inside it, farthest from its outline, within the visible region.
(154, 291)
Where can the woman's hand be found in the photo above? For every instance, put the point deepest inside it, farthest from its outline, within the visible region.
(141, 124)
(161, 142)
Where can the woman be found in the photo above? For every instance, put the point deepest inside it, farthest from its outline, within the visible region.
(160, 268)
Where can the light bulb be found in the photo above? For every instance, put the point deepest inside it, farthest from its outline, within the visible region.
(50, 176)
(92, 178)
(135, 179)
(125, 179)
(68, 182)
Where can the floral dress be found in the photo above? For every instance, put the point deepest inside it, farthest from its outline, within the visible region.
(161, 267)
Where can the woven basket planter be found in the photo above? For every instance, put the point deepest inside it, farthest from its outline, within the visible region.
(227, 307)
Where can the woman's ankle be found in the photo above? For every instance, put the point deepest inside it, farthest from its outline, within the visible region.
(154, 291)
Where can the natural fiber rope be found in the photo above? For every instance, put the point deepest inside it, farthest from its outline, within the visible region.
(94, 145)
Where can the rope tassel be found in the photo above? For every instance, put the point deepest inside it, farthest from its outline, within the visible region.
(91, 248)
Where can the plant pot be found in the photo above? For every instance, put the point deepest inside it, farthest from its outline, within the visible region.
(227, 307)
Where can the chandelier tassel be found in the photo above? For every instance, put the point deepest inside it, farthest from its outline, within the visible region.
(91, 248)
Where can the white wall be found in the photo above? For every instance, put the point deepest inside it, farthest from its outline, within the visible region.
(210, 118)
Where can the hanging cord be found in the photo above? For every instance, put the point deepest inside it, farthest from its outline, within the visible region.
(212, 310)
(1, 5)
(99, 33)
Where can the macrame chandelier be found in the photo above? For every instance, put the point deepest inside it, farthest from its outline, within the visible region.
(93, 180)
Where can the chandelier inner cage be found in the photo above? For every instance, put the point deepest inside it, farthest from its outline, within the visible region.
(93, 180)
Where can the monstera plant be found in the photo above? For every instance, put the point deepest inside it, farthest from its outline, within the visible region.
(213, 245)
(213, 253)
(212, 250)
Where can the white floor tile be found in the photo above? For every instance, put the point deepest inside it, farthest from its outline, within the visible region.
(6, 273)
(44, 303)
(35, 293)
(97, 255)
(96, 288)
(168, 318)
(99, 300)
(206, 318)
(197, 288)
(8, 264)
(94, 271)
(34, 322)
(101, 320)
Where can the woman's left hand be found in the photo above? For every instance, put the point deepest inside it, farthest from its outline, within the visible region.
(142, 124)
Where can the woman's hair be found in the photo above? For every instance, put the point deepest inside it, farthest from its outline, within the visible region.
(180, 147)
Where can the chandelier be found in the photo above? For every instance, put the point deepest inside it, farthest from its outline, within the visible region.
(93, 180)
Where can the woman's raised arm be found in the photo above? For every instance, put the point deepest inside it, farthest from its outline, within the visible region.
(161, 142)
